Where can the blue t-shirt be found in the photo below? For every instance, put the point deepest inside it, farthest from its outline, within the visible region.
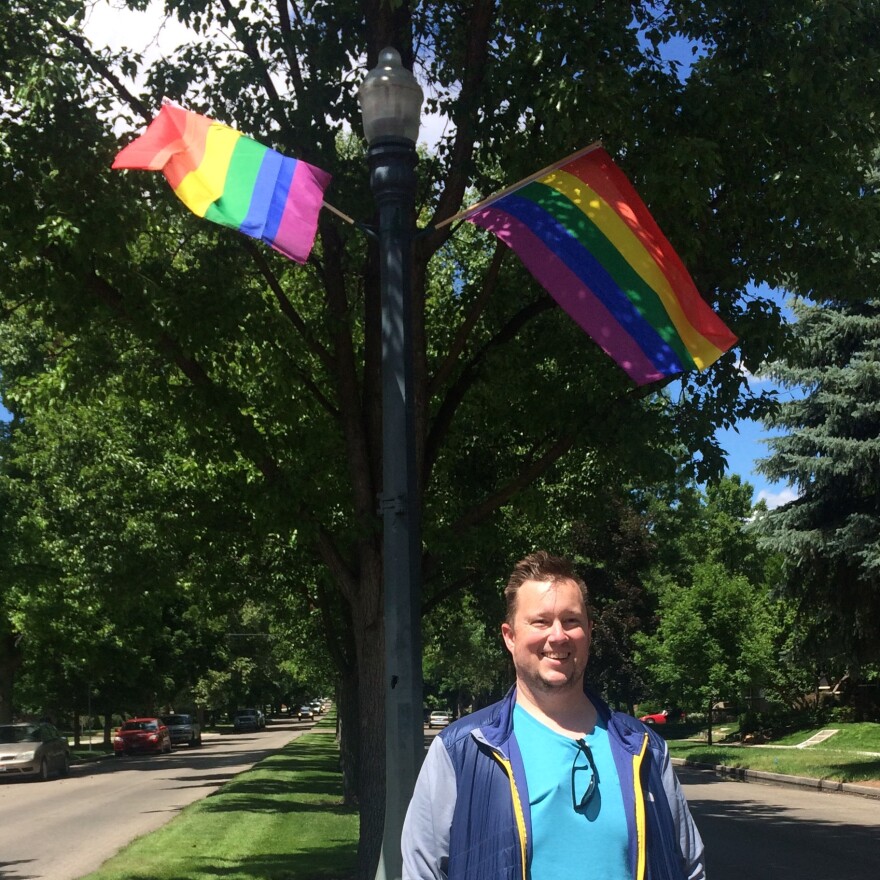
(587, 843)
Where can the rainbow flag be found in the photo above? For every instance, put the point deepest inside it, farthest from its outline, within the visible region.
(581, 229)
(221, 175)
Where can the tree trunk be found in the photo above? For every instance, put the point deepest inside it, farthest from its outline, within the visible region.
(370, 651)
(9, 661)
(709, 719)
(348, 727)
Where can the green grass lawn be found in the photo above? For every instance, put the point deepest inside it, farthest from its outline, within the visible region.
(281, 820)
(839, 758)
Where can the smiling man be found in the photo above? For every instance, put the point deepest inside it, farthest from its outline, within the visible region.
(550, 781)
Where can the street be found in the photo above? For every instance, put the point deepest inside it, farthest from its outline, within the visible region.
(783, 833)
(65, 828)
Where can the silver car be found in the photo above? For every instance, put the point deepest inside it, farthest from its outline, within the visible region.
(184, 729)
(33, 749)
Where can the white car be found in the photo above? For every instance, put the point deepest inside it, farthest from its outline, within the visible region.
(33, 750)
(438, 719)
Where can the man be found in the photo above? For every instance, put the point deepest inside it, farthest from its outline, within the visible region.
(549, 783)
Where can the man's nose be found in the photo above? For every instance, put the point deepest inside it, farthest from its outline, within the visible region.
(557, 631)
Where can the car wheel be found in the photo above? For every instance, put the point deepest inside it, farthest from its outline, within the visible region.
(44, 770)
(168, 747)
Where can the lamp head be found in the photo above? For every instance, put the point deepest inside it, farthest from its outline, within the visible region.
(390, 99)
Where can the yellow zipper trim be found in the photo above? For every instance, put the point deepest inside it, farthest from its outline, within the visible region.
(641, 855)
(517, 810)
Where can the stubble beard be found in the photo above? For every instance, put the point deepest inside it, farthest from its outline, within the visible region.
(575, 681)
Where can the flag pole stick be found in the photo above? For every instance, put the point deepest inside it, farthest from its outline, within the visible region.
(338, 213)
(518, 185)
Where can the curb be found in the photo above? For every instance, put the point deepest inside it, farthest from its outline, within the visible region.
(762, 776)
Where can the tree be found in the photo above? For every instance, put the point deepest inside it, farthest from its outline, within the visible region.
(465, 662)
(829, 537)
(711, 642)
(271, 370)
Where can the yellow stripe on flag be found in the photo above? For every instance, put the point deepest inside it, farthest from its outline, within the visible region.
(612, 226)
(202, 187)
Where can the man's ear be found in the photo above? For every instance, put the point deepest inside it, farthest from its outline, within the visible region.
(508, 635)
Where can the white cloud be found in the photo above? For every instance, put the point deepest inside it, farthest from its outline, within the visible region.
(753, 379)
(777, 499)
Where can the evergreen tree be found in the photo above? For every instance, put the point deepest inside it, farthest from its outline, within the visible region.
(830, 535)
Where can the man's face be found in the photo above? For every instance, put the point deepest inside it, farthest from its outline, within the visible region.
(550, 636)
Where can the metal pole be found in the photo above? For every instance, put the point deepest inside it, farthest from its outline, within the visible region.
(393, 180)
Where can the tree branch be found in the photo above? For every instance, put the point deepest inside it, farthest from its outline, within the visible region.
(289, 53)
(469, 375)
(286, 306)
(252, 442)
(476, 53)
(79, 43)
(253, 53)
(476, 310)
(531, 472)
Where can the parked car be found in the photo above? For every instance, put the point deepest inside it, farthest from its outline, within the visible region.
(184, 729)
(306, 713)
(142, 735)
(667, 716)
(438, 719)
(248, 719)
(36, 749)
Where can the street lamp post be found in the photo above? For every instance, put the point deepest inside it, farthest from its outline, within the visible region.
(391, 102)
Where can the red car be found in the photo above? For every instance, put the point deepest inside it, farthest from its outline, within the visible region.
(142, 735)
(667, 716)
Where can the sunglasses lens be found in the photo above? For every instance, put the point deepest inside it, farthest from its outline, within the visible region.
(584, 777)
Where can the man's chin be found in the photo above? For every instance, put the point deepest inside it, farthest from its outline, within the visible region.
(557, 682)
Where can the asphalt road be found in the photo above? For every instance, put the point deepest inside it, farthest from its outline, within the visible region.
(65, 828)
(782, 833)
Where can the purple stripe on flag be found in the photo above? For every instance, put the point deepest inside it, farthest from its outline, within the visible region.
(572, 294)
(299, 221)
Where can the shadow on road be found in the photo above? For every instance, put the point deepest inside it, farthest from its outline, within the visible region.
(16, 865)
(750, 837)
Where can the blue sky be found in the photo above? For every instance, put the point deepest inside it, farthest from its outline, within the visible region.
(744, 447)
(748, 441)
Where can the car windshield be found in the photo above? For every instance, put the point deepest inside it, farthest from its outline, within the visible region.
(140, 725)
(175, 719)
(19, 733)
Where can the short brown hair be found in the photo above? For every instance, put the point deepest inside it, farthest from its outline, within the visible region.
(542, 566)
